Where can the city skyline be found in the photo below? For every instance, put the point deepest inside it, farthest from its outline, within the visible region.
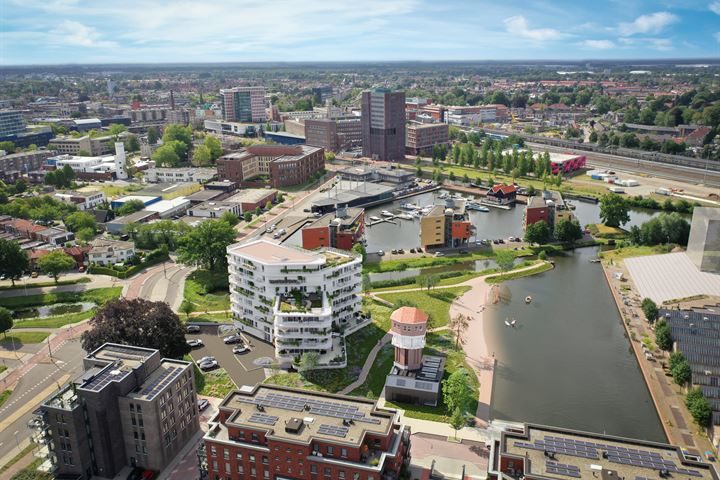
(71, 31)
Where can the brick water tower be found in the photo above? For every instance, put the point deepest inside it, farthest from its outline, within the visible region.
(409, 326)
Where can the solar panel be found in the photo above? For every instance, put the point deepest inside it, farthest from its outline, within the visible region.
(562, 469)
(333, 430)
(263, 418)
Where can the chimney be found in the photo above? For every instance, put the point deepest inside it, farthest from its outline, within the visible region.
(172, 100)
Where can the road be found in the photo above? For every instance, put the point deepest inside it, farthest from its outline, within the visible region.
(38, 382)
(662, 170)
(164, 282)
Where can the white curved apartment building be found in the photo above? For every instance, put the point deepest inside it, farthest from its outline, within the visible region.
(300, 300)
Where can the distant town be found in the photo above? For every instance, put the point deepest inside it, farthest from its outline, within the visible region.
(349, 271)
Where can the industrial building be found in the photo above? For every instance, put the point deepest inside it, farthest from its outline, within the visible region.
(279, 433)
(214, 209)
(297, 299)
(446, 226)
(341, 229)
(383, 124)
(704, 242)
(130, 408)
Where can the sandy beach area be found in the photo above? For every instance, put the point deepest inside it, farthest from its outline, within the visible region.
(473, 303)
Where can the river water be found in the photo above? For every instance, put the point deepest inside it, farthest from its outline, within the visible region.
(568, 363)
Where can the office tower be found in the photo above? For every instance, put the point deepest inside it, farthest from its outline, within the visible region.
(383, 124)
(244, 104)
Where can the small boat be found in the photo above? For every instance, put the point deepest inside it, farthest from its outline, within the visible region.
(404, 216)
(528, 299)
(595, 260)
(444, 195)
(409, 206)
(513, 322)
(375, 219)
(386, 213)
(507, 324)
(476, 206)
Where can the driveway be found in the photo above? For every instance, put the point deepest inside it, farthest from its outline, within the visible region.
(244, 369)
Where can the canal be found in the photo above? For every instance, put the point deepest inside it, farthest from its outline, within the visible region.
(568, 362)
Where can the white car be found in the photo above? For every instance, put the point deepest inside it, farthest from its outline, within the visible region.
(194, 343)
(206, 359)
(209, 365)
(241, 349)
(232, 339)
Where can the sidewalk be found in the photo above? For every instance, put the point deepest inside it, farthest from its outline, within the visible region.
(368, 365)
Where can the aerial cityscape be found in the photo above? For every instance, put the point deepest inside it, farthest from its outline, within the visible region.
(400, 240)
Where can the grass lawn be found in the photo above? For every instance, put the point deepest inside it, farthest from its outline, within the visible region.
(217, 383)
(97, 295)
(441, 344)
(617, 254)
(374, 384)
(2, 369)
(358, 346)
(429, 261)
(23, 338)
(208, 317)
(435, 303)
(443, 282)
(18, 285)
(54, 322)
(207, 291)
(5, 394)
(539, 268)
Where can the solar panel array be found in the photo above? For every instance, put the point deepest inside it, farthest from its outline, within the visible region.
(430, 369)
(615, 454)
(263, 418)
(318, 407)
(562, 469)
(166, 377)
(122, 352)
(103, 378)
(333, 430)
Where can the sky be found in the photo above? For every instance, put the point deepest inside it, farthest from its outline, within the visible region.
(139, 31)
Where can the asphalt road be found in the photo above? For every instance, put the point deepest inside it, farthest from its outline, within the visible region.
(27, 394)
(662, 170)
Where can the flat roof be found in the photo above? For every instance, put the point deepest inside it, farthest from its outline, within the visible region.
(205, 195)
(352, 215)
(142, 198)
(592, 456)
(216, 206)
(320, 415)
(165, 205)
(133, 217)
(251, 195)
(341, 196)
(670, 276)
(160, 379)
(266, 251)
(129, 354)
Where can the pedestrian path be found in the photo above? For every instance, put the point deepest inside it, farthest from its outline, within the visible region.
(368, 365)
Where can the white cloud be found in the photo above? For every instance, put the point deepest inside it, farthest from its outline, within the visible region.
(71, 32)
(518, 25)
(717, 36)
(651, 23)
(599, 44)
(715, 7)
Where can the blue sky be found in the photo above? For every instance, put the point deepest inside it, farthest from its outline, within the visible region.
(100, 31)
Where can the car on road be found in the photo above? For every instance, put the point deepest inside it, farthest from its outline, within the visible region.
(232, 339)
(380, 253)
(439, 254)
(195, 343)
(209, 365)
(242, 348)
(401, 250)
(202, 404)
(192, 328)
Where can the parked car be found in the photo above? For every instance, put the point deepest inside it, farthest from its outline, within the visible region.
(412, 250)
(195, 343)
(439, 254)
(205, 359)
(463, 251)
(192, 328)
(34, 274)
(380, 253)
(394, 251)
(209, 365)
(202, 404)
(232, 339)
(242, 348)
(401, 250)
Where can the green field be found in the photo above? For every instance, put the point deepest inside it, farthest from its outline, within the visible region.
(435, 302)
(20, 338)
(207, 291)
(22, 286)
(97, 295)
(55, 322)
(617, 254)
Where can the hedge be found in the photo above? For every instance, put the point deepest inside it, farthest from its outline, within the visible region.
(153, 258)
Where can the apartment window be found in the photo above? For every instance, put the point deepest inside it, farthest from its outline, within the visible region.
(135, 435)
(241, 469)
(253, 471)
(313, 469)
(132, 407)
(215, 466)
(238, 456)
(327, 472)
(264, 460)
(330, 450)
(254, 437)
(341, 474)
(132, 419)
(227, 468)
(252, 458)
(343, 452)
(226, 454)
(213, 451)
(266, 474)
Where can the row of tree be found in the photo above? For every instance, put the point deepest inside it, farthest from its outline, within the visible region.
(566, 231)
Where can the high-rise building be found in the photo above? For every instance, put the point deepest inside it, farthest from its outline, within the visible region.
(279, 433)
(383, 124)
(11, 122)
(244, 104)
(302, 301)
(704, 243)
(130, 407)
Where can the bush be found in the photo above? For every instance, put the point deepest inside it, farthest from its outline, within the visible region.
(152, 258)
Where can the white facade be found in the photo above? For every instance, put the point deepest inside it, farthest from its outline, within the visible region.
(86, 164)
(169, 208)
(295, 298)
(83, 201)
(182, 175)
(414, 342)
(106, 252)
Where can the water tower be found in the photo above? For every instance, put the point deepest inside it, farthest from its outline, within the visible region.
(409, 326)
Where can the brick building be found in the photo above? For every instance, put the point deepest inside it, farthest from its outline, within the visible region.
(244, 104)
(446, 226)
(275, 165)
(383, 124)
(341, 229)
(334, 134)
(422, 137)
(279, 433)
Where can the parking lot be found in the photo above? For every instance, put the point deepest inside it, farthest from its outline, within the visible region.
(244, 369)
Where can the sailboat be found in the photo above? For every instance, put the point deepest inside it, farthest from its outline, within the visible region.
(513, 322)
(507, 324)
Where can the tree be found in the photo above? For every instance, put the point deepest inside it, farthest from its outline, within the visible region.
(85, 234)
(137, 322)
(132, 144)
(568, 231)
(13, 260)
(247, 216)
(538, 232)
(207, 245)
(187, 308)
(56, 262)
(116, 129)
(80, 220)
(178, 133)
(681, 372)
(663, 337)
(6, 320)
(650, 309)
(457, 420)
(366, 283)
(432, 281)
(698, 406)
(8, 146)
(505, 259)
(359, 249)
(131, 206)
(268, 205)
(152, 135)
(201, 156)
(308, 362)
(230, 218)
(457, 391)
(458, 326)
(215, 147)
(166, 156)
(613, 210)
